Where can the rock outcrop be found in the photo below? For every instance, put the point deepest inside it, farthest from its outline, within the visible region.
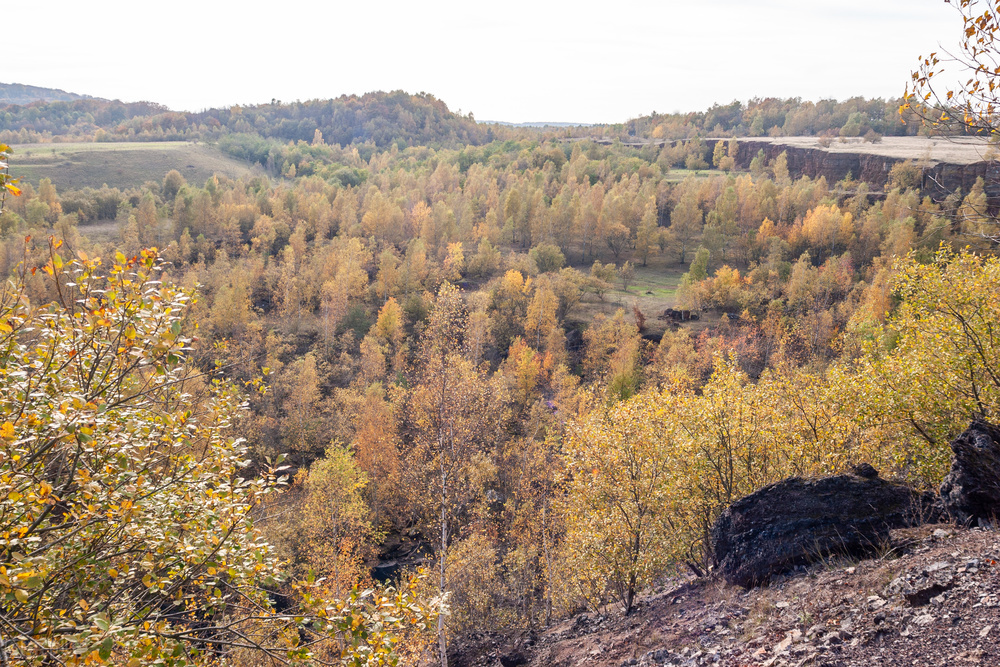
(971, 491)
(800, 521)
(938, 180)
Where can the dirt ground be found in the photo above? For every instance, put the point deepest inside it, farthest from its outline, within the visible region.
(931, 600)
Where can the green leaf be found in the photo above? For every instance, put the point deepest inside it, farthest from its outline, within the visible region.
(105, 650)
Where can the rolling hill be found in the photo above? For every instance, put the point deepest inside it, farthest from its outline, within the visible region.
(122, 165)
(19, 93)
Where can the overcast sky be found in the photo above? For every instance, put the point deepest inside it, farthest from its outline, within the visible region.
(517, 60)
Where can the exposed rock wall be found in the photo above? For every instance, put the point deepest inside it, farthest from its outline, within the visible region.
(939, 180)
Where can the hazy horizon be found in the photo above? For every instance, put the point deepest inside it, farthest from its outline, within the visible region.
(527, 63)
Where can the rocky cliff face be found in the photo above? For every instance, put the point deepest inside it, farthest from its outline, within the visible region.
(939, 179)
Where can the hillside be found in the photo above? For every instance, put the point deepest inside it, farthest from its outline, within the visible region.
(383, 118)
(834, 614)
(380, 117)
(121, 165)
(604, 346)
(19, 93)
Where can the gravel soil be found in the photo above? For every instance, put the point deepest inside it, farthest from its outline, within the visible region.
(932, 599)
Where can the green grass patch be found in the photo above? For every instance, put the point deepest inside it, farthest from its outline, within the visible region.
(653, 291)
(662, 282)
(678, 175)
(122, 165)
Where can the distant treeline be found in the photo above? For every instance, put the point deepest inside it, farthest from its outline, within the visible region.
(401, 119)
(383, 118)
(854, 117)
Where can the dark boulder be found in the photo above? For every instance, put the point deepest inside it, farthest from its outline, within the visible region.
(800, 521)
(399, 554)
(971, 491)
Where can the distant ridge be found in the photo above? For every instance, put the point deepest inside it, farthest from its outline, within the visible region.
(19, 93)
(534, 124)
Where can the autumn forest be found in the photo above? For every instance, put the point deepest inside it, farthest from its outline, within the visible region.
(404, 379)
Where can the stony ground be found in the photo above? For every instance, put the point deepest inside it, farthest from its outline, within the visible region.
(932, 600)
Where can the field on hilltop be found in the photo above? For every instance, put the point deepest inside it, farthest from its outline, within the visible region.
(122, 165)
(952, 150)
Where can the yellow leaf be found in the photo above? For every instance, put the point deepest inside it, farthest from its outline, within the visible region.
(7, 431)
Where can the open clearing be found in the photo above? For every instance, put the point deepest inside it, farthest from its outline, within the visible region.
(653, 291)
(678, 175)
(120, 165)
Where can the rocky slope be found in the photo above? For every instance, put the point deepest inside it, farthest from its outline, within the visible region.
(872, 166)
(933, 598)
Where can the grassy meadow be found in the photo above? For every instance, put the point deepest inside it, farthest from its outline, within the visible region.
(121, 165)
(677, 175)
(653, 290)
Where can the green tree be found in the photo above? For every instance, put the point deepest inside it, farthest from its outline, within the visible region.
(647, 234)
(601, 277)
(699, 265)
(547, 257)
(626, 274)
(172, 184)
(686, 222)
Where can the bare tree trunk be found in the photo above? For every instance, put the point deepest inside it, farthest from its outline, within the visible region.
(548, 567)
(442, 640)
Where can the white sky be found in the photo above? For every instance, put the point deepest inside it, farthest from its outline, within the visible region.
(516, 61)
